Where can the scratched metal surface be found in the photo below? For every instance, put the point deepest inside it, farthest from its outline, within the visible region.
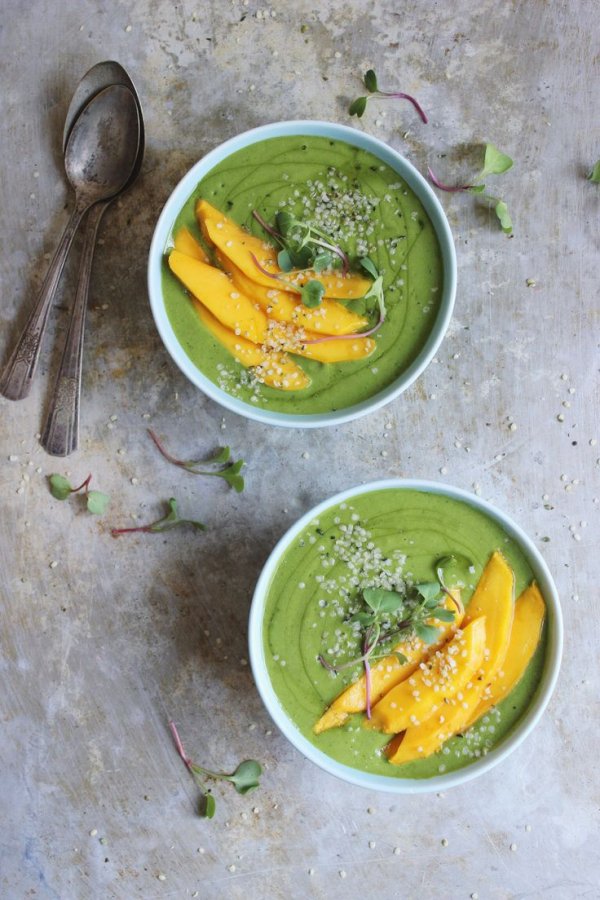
(98, 651)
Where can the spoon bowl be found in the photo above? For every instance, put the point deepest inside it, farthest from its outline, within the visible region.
(103, 145)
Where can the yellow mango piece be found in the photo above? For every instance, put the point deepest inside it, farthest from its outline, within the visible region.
(433, 683)
(214, 289)
(273, 369)
(239, 246)
(185, 242)
(330, 317)
(530, 611)
(386, 673)
(286, 338)
(494, 599)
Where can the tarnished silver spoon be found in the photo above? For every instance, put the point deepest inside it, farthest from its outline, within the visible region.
(60, 433)
(99, 158)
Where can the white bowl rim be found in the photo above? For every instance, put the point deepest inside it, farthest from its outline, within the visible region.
(520, 730)
(184, 189)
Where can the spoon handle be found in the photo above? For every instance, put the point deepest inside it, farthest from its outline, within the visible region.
(17, 376)
(61, 430)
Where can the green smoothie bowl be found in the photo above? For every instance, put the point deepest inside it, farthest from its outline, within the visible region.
(405, 636)
(302, 274)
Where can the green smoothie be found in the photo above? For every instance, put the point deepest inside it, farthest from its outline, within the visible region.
(368, 210)
(386, 538)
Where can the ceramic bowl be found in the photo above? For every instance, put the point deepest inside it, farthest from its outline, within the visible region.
(478, 766)
(185, 189)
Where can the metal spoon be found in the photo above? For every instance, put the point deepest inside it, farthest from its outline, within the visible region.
(99, 158)
(60, 434)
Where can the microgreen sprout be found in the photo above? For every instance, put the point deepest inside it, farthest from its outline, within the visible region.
(595, 173)
(230, 474)
(244, 779)
(96, 501)
(168, 521)
(388, 614)
(303, 245)
(495, 162)
(358, 106)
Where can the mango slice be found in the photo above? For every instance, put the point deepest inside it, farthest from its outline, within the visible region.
(185, 242)
(273, 369)
(494, 599)
(530, 611)
(330, 317)
(239, 246)
(214, 289)
(434, 683)
(386, 673)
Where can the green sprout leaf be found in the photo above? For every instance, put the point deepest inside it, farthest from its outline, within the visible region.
(246, 777)
(60, 487)
(382, 601)
(311, 293)
(370, 80)
(97, 502)
(594, 175)
(206, 805)
(442, 614)
(401, 658)
(501, 210)
(429, 590)
(170, 520)
(285, 222)
(358, 106)
(322, 261)
(427, 633)
(230, 474)
(223, 455)
(369, 266)
(363, 618)
(284, 261)
(495, 162)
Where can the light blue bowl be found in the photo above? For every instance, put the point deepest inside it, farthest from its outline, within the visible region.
(187, 186)
(381, 782)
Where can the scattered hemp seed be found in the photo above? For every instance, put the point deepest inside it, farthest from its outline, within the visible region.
(528, 828)
(342, 873)
(306, 455)
(474, 896)
(161, 876)
(372, 845)
(93, 832)
(530, 282)
(231, 868)
(311, 871)
(444, 842)
(513, 847)
(397, 851)
(53, 564)
(560, 418)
